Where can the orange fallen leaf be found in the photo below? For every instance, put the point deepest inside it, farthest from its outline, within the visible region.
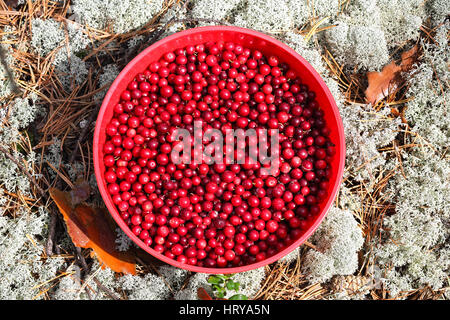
(93, 228)
(382, 83)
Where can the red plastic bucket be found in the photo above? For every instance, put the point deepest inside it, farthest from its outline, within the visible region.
(250, 39)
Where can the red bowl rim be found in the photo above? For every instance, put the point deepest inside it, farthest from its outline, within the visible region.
(110, 205)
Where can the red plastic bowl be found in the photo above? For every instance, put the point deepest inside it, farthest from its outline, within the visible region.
(250, 39)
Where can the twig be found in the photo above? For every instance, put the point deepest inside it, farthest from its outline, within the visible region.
(51, 235)
(156, 271)
(310, 245)
(105, 289)
(79, 256)
(81, 259)
(22, 168)
(53, 216)
(83, 133)
(10, 75)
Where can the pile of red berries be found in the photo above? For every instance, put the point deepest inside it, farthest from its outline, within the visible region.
(218, 215)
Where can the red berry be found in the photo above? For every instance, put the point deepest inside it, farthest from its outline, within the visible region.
(217, 214)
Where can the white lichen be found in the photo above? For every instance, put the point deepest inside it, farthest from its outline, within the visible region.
(291, 256)
(416, 235)
(49, 36)
(338, 240)
(106, 277)
(24, 273)
(269, 16)
(400, 28)
(361, 34)
(317, 9)
(75, 170)
(428, 110)
(367, 30)
(54, 154)
(306, 50)
(147, 287)
(12, 177)
(177, 11)
(72, 72)
(106, 78)
(6, 86)
(121, 15)
(358, 46)
(135, 41)
(217, 10)
(437, 10)
(22, 112)
(123, 242)
(365, 132)
(175, 277)
(16, 116)
(69, 287)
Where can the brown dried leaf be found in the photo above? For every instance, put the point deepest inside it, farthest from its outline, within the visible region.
(203, 295)
(92, 228)
(13, 4)
(388, 79)
(80, 193)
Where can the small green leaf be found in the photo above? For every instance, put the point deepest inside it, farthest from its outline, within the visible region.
(220, 295)
(238, 297)
(230, 285)
(236, 286)
(214, 280)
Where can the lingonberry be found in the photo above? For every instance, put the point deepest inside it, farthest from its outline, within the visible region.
(217, 214)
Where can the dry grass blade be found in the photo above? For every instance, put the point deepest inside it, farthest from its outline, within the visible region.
(285, 281)
(314, 28)
(351, 84)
